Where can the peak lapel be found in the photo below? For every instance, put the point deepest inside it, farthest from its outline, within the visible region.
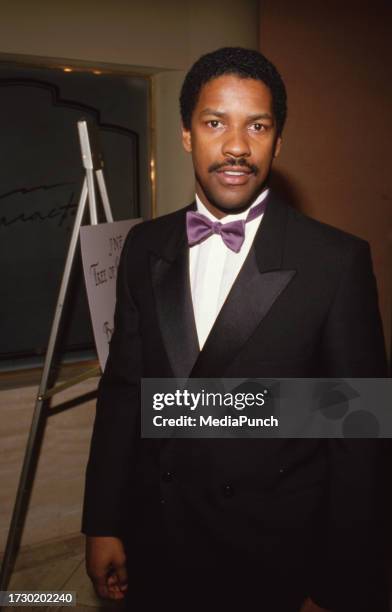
(259, 283)
(171, 284)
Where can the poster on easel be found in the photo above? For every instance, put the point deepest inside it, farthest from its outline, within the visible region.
(101, 247)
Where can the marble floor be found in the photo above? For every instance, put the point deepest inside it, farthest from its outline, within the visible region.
(57, 566)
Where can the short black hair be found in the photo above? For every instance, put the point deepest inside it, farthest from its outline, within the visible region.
(247, 64)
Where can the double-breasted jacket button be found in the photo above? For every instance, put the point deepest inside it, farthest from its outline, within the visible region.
(167, 476)
(228, 490)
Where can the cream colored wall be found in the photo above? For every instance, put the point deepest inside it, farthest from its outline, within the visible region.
(169, 34)
(166, 37)
(335, 58)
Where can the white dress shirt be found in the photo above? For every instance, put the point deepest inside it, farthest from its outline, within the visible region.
(213, 268)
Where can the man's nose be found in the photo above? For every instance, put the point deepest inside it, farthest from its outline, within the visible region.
(236, 143)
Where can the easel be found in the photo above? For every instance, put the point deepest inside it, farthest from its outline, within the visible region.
(93, 165)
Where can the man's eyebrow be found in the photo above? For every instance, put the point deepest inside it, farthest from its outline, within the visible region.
(212, 111)
(261, 116)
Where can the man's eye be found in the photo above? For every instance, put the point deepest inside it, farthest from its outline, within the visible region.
(257, 127)
(214, 123)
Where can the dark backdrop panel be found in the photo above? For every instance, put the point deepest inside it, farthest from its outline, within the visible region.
(40, 181)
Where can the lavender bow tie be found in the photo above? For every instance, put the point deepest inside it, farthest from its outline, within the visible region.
(199, 227)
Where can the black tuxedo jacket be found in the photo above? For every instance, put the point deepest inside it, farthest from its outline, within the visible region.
(303, 305)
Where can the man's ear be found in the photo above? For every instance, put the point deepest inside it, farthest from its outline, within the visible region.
(186, 139)
(278, 145)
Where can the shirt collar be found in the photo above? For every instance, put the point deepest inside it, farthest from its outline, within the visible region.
(234, 217)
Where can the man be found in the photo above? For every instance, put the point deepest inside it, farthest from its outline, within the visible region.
(270, 524)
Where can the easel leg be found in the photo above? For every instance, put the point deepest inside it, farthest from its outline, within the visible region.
(104, 195)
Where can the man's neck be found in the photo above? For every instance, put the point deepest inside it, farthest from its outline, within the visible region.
(211, 212)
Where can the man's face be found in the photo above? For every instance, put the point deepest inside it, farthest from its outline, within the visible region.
(233, 140)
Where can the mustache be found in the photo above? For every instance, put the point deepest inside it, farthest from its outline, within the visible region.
(241, 162)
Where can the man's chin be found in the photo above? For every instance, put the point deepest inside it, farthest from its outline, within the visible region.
(231, 200)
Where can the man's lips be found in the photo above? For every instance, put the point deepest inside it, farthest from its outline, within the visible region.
(233, 176)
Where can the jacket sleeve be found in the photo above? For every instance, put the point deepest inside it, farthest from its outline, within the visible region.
(352, 574)
(117, 423)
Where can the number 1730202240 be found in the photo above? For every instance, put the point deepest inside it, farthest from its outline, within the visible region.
(37, 598)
